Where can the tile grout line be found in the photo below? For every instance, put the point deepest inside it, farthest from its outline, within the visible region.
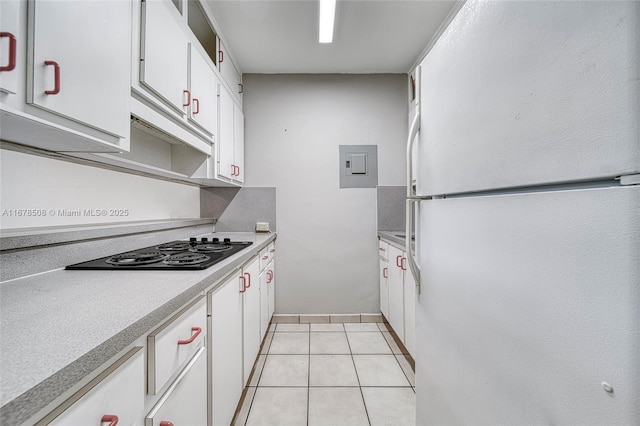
(357, 377)
(309, 376)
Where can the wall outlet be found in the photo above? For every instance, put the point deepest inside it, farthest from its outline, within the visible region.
(262, 226)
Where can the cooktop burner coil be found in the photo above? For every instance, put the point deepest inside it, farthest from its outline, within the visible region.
(188, 258)
(136, 258)
(211, 248)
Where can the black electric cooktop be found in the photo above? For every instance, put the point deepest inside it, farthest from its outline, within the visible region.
(194, 254)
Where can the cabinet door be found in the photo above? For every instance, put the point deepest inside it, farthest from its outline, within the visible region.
(185, 402)
(225, 139)
(251, 323)
(384, 288)
(264, 302)
(80, 68)
(226, 350)
(10, 42)
(163, 54)
(238, 142)
(410, 313)
(272, 289)
(230, 73)
(117, 393)
(203, 110)
(396, 291)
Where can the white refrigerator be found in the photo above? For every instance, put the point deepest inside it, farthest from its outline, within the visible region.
(527, 188)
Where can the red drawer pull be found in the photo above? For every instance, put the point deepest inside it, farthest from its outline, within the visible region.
(196, 103)
(56, 77)
(265, 257)
(384, 272)
(112, 419)
(220, 56)
(402, 264)
(398, 260)
(188, 93)
(270, 276)
(165, 423)
(12, 52)
(244, 284)
(197, 330)
(249, 280)
(272, 251)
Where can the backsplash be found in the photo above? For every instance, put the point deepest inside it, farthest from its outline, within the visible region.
(238, 209)
(391, 208)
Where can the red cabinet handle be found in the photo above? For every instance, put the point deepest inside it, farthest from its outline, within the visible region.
(112, 419)
(398, 260)
(188, 93)
(270, 275)
(12, 52)
(249, 279)
(384, 272)
(402, 264)
(272, 251)
(197, 330)
(196, 103)
(56, 77)
(165, 423)
(241, 88)
(265, 257)
(220, 56)
(244, 284)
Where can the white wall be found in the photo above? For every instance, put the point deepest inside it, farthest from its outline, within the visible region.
(327, 243)
(50, 185)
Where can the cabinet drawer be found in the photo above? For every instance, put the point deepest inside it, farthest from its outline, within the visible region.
(174, 343)
(115, 394)
(383, 249)
(185, 402)
(266, 255)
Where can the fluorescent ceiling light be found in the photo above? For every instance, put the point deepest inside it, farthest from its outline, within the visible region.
(327, 17)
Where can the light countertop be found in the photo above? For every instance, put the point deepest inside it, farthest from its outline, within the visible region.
(60, 326)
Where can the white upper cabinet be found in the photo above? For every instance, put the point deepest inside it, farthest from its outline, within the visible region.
(163, 55)
(9, 40)
(230, 73)
(203, 87)
(226, 166)
(66, 81)
(81, 77)
(238, 142)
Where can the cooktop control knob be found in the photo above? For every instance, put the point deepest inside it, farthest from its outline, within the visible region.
(227, 240)
(215, 240)
(204, 240)
(193, 239)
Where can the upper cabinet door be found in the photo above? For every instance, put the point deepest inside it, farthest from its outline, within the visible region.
(226, 167)
(529, 93)
(204, 91)
(9, 40)
(79, 61)
(238, 142)
(230, 73)
(163, 54)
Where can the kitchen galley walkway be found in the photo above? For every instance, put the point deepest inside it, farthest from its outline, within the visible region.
(329, 374)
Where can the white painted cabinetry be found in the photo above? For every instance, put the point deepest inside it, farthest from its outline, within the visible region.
(231, 139)
(396, 291)
(185, 402)
(203, 88)
(70, 88)
(383, 249)
(251, 316)
(114, 396)
(230, 73)
(267, 287)
(225, 343)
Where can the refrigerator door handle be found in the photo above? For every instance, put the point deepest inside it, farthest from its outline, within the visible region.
(413, 265)
(413, 132)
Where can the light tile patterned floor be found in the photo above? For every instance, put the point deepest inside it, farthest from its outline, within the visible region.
(330, 374)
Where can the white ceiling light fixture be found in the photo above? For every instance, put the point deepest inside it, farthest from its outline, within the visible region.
(327, 18)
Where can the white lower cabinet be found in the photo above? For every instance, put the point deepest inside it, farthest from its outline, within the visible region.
(185, 402)
(272, 288)
(267, 297)
(225, 349)
(251, 317)
(116, 396)
(398, 295)
(396, 291)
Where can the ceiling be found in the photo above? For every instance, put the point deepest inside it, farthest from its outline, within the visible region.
(281, 37)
